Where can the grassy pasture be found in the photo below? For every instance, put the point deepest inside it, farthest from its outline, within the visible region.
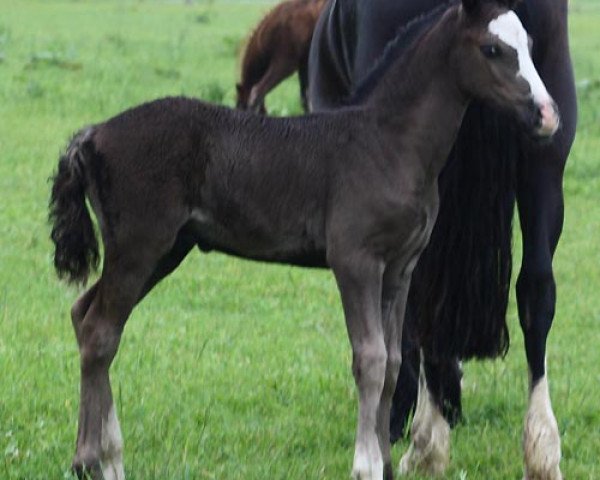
(232, 369)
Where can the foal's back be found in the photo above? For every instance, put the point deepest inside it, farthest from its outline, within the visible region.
(246, 183)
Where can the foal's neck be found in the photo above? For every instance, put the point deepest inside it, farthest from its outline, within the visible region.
(418, 103)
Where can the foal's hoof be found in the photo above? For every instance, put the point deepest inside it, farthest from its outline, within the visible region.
(388, 472)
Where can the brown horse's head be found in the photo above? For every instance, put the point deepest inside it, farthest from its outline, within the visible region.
(492, 60)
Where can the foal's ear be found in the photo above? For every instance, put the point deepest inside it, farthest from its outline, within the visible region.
(471, 6)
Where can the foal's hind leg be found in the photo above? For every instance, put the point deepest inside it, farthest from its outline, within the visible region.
(98, 318)
(99, 444)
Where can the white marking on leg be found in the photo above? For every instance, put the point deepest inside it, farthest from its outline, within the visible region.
(508, 28)
(111, 459)
(368, 464)
(429, 449)
(369, 372)
(541, 439)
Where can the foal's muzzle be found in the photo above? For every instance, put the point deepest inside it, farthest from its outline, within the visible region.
(546, 119)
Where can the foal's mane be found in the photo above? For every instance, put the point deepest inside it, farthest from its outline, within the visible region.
(405, 38)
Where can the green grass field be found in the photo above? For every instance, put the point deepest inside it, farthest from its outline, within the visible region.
(231, 369)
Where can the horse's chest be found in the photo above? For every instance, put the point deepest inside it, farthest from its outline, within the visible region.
(405, 230)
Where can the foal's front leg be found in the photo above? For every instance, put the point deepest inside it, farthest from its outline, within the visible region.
(396, 284)
(359, 279)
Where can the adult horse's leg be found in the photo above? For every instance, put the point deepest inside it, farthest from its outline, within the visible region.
(359, 279)
(541, 210)
(444, 381)
(303, 80)
(541, 219)
(429, 450)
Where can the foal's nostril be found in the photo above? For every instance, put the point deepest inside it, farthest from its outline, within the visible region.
(546, 120)
(538, 117)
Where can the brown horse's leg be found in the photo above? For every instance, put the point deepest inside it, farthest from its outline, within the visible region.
(279, 69)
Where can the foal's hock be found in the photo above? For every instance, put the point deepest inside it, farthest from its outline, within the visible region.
(354, 190)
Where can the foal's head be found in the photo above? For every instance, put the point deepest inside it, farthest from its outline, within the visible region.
(492, 59)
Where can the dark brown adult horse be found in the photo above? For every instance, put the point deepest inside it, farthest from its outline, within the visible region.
(353, 190)
(277, 48)
(459, 294)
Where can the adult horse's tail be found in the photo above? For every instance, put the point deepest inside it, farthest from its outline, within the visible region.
(75, 244)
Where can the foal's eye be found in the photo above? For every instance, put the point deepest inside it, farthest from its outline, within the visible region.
(491, 51)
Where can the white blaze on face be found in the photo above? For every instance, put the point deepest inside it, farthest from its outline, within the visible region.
(508, 28)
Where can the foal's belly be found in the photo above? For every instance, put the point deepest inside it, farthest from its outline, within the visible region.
(300, 249)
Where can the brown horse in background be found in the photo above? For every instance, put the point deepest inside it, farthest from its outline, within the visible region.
(277, 48)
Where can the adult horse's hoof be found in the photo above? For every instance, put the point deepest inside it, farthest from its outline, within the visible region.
(541, 438)
(429, 450)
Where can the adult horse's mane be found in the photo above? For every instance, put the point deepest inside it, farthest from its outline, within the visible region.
(404, 40)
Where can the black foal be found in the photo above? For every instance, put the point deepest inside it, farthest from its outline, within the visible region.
(354, 190)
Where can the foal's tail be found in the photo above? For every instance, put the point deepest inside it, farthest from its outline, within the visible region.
(73, 235)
